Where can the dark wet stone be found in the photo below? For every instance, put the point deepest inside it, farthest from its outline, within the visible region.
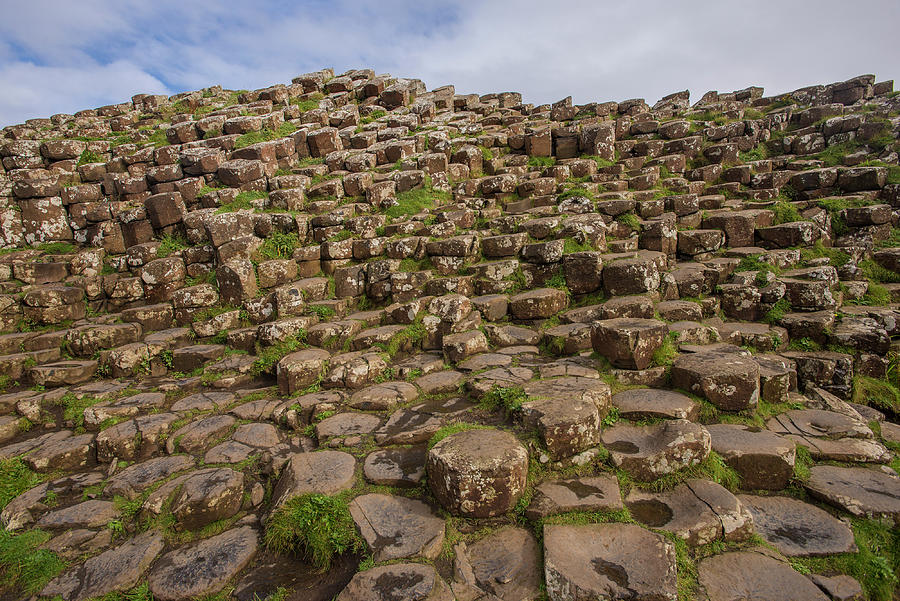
(600, 493)
(798, 529)
(608, 561)
(397, 582)
(397, 527)
(203, 567)
(401, 466)
(752, 576)
(118, 569)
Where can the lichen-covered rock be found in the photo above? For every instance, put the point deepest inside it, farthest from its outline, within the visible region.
(477, 473)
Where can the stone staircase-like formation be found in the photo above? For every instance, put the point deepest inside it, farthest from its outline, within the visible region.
(505, 351)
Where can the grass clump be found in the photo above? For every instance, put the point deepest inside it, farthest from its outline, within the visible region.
(571, 245)
(170, 244)
(575, 193)
(268, 358)
(453, 429)
(73, 408)
(541, 162)
(785, 212)
(630, 220)
(876, 273)
(508, 398)
(667, 352)
(15, 478)
(243, 201)
(264, 135)
(712, 468)
(409, 337)
(415, 201)
(279, 245)
(25, 568)
(373, 116)
(89, 156)
(880, 394)
(776, 313)
(834, 155)
(315, 526)
(876, 296)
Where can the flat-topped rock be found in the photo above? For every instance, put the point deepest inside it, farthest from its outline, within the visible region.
(798, 529)
(506, 563)
(763, 459)
(643, 403)
(407, 581)
(396, 527)
(383, 397)
(321, 472)
(698, 511)
(538, 304)
(648, 452)
(599, 493)
(727, 380)
(203, 567)
(401, 466)
(753, 576)
(628, 342)
(117, 569)
(863, 492)
(477, 473)
(608, 561)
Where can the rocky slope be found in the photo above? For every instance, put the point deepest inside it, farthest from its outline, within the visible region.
(352, 337)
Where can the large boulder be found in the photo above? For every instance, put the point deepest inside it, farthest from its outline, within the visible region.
(478, 473)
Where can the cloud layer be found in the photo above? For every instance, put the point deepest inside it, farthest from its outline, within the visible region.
(62, 57)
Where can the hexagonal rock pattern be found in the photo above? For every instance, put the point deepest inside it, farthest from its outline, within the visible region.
(598, 493)
(763, 459)
(727, 380)
(628, 343)
(643, 403)
(608, 561)
(798, 529)
(538, 304)
(301, 369)
(322, 472)
(698, 511)
(396, 527)
(117, 569)
(407, 581)
(648, 452)
(864, 492)
(203, 567)
(506, 563)
(753, 576)
(477, 473)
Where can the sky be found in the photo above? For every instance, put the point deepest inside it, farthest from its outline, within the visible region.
(59, 56)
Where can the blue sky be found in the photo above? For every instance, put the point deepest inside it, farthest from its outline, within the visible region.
(62, 56)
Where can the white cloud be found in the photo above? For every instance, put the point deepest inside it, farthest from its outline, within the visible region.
(36, 91)
(103, 51)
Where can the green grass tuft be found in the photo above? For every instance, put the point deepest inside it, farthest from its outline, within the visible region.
(268, 358)
(169, 244)
(279, 245)
(507, 398)
(416, 201)
(786, 212)
(264, 135)
(317, 527)
(15, 478)
(25, 568)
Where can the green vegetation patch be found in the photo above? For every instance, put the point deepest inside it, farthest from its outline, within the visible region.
(315, 526)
